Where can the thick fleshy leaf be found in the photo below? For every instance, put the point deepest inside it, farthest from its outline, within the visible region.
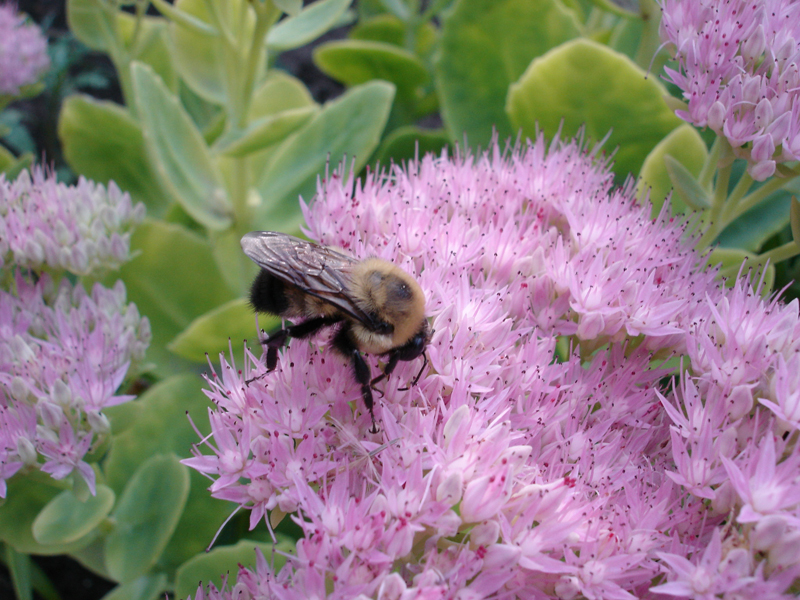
(407, 143)
(200, 58)
(350, 126)
(265, 132)
(279, 92)
(179, 153)
(583, 83)
(102, 142)
(292, 7)
(11, 165)
(173, 280)
(212, 566)
(756, 226)
(26, 497)
(486, 45)
(683, 145)
(356, 61)
(146, 587)
(211, 333)
(19, 566)
(90, 22)
(184, 19)
(146, 516)
(391, 30)
(163, 426)
(398, 8)
(686, 186)
(66, 519)
(94, 25)
(307, 25)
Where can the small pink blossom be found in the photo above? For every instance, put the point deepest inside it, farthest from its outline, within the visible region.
(515, 468)
(84, 229)
(738, 69)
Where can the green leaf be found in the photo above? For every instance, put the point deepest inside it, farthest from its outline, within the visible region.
(485, 46)
(398, 8)
(279, 92)
(794, 219)
(173, 280)
(585, 83)
(211, 333)
(19, 565)
(292, 7)
(210, 568)
(66, 519)
(408, 143)
(391, 30)
(163, 427)
(349, 126)
(151, 45)
(146, 587)
(184, 19)
(102, 142)
(92, 22)
(683, 145)
(307, 25)
(27, 496)
(179, 153)
(264, 132)
(750, 230)
(355, 61)
(200, 59)
(686, 185)
(146, 515)
(11, 165)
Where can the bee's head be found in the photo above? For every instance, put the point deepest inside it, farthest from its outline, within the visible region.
(393, 297)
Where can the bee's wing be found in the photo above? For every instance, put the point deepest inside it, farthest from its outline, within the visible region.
(317, 270)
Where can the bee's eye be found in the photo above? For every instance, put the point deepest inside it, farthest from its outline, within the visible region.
(384, 328)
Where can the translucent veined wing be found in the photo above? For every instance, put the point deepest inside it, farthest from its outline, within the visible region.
(323, 272)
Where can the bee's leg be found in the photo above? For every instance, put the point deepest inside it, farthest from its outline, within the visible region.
(393, 359)
(345, 345)
(302, 330)
(416, 379)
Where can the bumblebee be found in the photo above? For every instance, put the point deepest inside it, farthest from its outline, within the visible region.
(377, 307)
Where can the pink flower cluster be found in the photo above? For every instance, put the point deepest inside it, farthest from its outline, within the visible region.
(738, 67)
(84, 229)
(546, 452)
(23, 51)
(63, 354)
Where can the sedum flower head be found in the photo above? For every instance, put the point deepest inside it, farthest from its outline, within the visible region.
(23, 51)
(84, 229)
(515, 469)
(63, 355)
(738, 69)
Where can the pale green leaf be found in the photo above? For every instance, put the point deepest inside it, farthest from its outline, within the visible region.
(145, 516)
(350, 126)
(485, 46)
(684, 145)
(179, 153)
(66, 519)
(583, 84)
(307, 25)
